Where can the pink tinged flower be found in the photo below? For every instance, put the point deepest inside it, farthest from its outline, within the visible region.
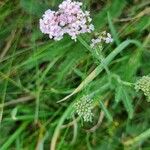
(69, 19)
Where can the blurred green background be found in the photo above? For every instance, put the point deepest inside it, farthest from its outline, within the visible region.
(36, 72)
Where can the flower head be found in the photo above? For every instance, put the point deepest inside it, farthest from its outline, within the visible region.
(102, 38)
(69, 19)
(143, 84)
(84, 108)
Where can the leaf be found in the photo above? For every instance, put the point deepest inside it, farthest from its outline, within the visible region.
(118, 94)
(33, 7)
(127, 101)
(107, 113)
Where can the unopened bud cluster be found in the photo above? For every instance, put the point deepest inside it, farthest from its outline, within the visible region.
(143, 84)
(84, 108)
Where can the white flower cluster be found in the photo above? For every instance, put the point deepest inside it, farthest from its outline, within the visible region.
(84, 108)
(143, 84)
(103, 37)
(69, 19)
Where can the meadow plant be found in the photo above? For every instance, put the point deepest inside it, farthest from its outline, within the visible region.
(94, 81)
(72, 20)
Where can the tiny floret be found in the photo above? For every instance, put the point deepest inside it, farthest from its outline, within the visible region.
(69, 19)
(84, 108)
(143, 84)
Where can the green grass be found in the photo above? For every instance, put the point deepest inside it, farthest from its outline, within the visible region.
(40, 79)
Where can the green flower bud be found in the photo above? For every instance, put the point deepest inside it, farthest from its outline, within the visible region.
(84, 108)
(143, 84)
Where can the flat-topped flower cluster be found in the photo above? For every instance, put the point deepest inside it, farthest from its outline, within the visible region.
(69, 19)
(104, 37)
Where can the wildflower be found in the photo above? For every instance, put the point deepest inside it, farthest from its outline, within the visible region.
(143, 84)
(69, 19)
(103, 37)
(50, 25)
(84, 108)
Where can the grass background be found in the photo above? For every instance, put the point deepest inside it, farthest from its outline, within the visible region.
(36, 72)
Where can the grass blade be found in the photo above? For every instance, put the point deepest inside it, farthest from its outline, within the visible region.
(112, 28)
(13, 137)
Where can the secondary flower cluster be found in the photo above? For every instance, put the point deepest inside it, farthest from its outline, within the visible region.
(84, 108)
(103, 37)
(69, 19)
(143, 84)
